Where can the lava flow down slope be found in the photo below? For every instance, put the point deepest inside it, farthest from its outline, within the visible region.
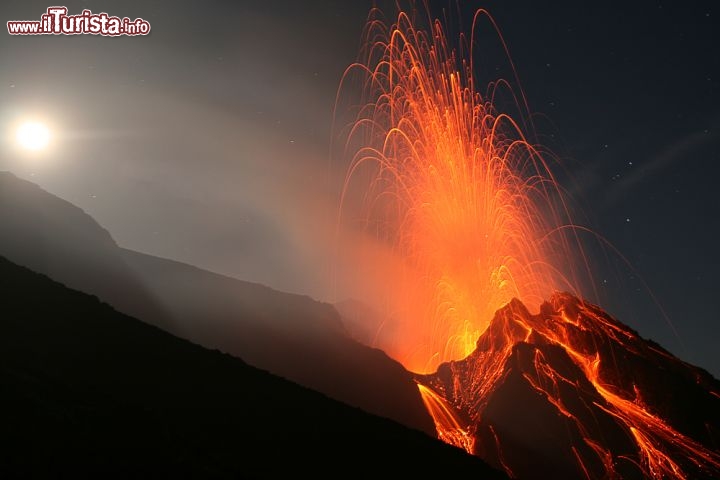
(573, 393)
(471, 211)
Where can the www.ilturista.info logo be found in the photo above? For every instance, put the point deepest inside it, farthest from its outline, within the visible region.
(57, 22)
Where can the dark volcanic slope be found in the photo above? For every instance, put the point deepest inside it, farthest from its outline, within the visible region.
(88, 390)
(290, 335)
(573, 393)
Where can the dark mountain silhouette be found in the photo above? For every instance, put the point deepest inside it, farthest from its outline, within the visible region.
(88, 392)
(290, 335)
(573, 393)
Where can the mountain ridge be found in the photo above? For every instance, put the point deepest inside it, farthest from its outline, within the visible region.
(594, 398)
(290, 335)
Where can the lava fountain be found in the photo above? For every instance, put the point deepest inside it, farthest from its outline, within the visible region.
(469, 205)
(473, 211)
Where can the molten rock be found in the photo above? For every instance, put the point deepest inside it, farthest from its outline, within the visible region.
(573, 393)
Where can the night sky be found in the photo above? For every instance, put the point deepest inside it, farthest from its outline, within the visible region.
(208, 140)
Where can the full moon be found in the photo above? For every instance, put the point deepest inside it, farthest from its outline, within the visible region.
(33, 136)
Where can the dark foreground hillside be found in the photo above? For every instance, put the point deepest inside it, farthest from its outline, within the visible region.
(289, 335)
(85, 390)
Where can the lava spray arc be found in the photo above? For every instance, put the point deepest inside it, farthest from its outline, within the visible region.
(467, 203)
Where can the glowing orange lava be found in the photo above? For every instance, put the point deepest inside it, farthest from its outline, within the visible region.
(588, 336)
(449, 427)
(468, 204)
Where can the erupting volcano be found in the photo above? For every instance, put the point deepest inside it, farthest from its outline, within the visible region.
(474, 212)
